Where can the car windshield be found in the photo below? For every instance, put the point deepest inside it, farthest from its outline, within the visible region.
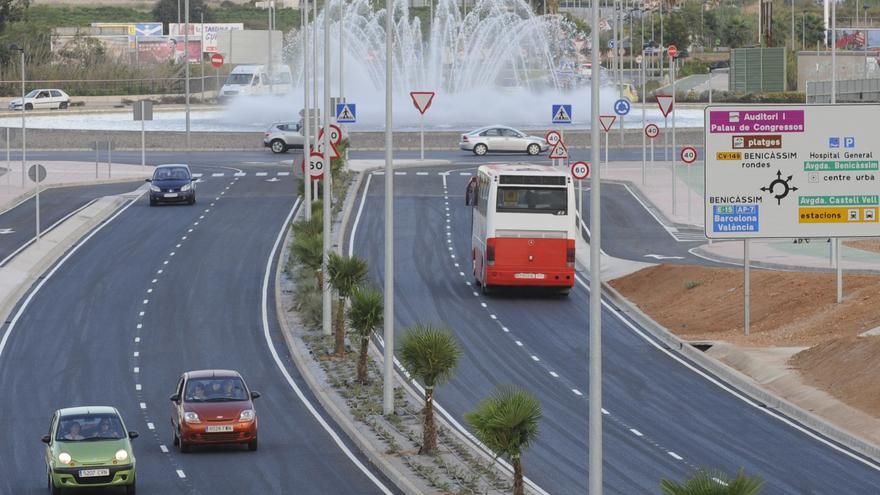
(171, 173)
(32, 94)
(553, 200)
(89, 427)
(239, 79)
(215, 390)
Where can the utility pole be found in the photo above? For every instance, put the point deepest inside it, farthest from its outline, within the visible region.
(595, 375)
(307, 175)
(388, 330)
(186, 64)
(202, 55)
(328, 177)
(23, 111)
(341, 48)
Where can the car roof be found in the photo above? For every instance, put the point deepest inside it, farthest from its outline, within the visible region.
(212, 374)
(495, 126)
(77, 411)
(167, 165)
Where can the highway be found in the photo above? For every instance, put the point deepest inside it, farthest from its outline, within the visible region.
(665, 417)
(155, 292)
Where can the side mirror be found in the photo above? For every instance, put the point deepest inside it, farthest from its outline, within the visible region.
(133, 434)
(148, 180)
(192, 179)
(175, 398)
(46, 439)
(255, 395)
(470, 195)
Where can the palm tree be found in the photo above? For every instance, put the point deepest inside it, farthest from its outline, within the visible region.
(429, 354)
(309, 252)
(364, 316)
(345, 274)
(706, 482)
(311, 227)
(507, 422)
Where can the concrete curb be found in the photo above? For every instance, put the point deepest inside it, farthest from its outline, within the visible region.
(300, 355)
(25, 196)
(26, 268)
(740, 381)
(778, 266)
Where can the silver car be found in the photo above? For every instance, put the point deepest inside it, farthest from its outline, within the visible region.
(501, 138)
(42, 99)
(283, 136)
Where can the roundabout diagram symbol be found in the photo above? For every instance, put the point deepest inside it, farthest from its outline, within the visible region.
(783, 183)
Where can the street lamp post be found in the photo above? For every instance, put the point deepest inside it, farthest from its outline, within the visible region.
(595, 374)
(328, 177)
(186, 64)
(388, 328)
(23, 128)
(307, 177)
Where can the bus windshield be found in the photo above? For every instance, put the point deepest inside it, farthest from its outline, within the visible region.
(552, 200)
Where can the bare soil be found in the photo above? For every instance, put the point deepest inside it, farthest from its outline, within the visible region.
(870, 245)
(787, 309)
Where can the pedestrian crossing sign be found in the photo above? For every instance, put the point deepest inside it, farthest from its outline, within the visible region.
(346, 113)
(562, 114)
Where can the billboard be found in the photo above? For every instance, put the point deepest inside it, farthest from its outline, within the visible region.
(156, 49)
(210, 32)
(792, 171)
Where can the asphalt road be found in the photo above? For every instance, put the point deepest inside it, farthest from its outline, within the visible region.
(18, 224)
(665, 418)
(154, 293)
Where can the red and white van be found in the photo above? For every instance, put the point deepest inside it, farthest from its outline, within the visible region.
(524, 229)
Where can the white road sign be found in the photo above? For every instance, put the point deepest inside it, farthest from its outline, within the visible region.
(792, 171)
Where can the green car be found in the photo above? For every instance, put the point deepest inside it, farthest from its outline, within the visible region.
(89, 447)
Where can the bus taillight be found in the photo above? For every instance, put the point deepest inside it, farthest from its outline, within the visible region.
(570, 254)
(490, 252)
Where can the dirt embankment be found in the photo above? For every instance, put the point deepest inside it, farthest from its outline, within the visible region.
(870, 245)
(787, 309)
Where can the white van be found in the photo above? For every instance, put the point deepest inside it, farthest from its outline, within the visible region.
(254, 80)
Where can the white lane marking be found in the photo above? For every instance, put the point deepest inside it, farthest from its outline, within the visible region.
(151, 426)
(154, 280)
(357, 217)
(462, 274)
(141, 313)
(143, 405)
(239, 174)
(146, 301)
(636, 432)
(201, 217)
(136, 369)
(605, 411)
(444, 179)
(195, 223)
(675, 456)
(421, 173)
(506, 330)
(519, 343)
(535, 358)
(181, 474)
(218, 174)
(222, 193)
(493, 317)
(465, 173)
(197, 175)
(136, 354)
(483, 304)
(261, 174)
(554, 374)
(399, 173)
(728, 389)
(217, 198)
(577, 392)
(164, 449)
(140, 325)
(452, 255)
(271, 344)
(177, 246)
(137, 340)
(719, 481)
(283, 174)
(138, 387)
(476, 293)
(190, 230)
(165, 262)
(149, 291)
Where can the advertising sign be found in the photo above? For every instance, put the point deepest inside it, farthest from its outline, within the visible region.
(211, 30)
(792, 171)
(155, 49)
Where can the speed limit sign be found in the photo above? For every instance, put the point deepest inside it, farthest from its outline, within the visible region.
(652, 131)
(552, 138)
(580, 170)
(316, 165)
(689, 154)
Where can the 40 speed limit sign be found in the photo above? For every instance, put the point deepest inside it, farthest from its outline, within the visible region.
(580, 170)
(688, 154)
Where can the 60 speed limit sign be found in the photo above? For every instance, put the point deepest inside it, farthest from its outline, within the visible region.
(580, 170)
(689, 154)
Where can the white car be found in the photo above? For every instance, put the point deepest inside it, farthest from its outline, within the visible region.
(501, 138)
(39, 99)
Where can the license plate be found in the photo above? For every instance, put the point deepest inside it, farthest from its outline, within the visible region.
(170, 195)
(538, 276)
(218, 428)
(92, 473)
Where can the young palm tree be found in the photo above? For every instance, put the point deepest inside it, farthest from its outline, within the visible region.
(364, 316)
(309, 252)
(507, 422)
(311, 227)
(706, 482)
(345, 273)
(430, 355)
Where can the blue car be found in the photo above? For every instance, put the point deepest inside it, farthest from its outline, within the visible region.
(172, 183)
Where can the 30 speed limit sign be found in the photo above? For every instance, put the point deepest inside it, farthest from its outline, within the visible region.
(652, 131)
(688, 154)
(580, 170)
(552, 138)
(316, 165)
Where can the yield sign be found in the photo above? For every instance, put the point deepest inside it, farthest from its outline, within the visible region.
(665, 104)
(422, 100)
(559, 151)
(607, 121)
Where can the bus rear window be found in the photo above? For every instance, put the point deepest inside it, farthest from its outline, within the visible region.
(552, 200)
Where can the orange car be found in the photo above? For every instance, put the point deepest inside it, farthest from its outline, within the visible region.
(213, 407)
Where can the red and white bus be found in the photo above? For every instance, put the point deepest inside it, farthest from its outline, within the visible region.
(524, 229)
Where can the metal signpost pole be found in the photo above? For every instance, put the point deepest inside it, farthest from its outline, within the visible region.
(23, 125)
(341, 50)
(37, 174)
(315, 68)
(143, 137)
(109, 158)
(595, 373)
(97, 157)
(606, 151)
(674, 151)
(746, 289)
(186, 64)
(202, 58)
(307, 176)
(8, 164)
(837, 266)
(644, 137)
(328, 178)
(388, 329)
(422, 136)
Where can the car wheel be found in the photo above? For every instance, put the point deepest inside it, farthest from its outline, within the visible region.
(152, 202)
(278, 146)
(183, 446)
(252, 445)
(481, 149)
(28, 106)
(533, 149)
(63, 105)
(192, 200)
(175, 440)
(54, 490)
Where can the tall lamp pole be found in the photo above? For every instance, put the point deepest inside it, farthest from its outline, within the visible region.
(186, 64)
(328, 176)
(307, 177)
(23, 128)
(388, 328)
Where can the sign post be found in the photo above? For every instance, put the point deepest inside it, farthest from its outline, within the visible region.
(553, 138)
(651, 132)
(143, 111)
(422, 101)
(37, 174)
(666, 103)
(641, 61)
(607, 121)
(580, 171)
(561, 114)
(673, 51)
(688, 157)
(793, 171)
(621, 108)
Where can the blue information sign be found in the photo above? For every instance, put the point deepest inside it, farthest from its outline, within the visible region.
(735, 218)
(561, 114)
(622, 106)
(346, 113)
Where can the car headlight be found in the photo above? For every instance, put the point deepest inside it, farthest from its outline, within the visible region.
(186, 187)
(121, 455)
(155, 188)
(191, 417)
(64, 458)
(247, 415)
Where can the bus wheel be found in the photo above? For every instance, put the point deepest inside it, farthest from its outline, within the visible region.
(564, 291)
(486, 289)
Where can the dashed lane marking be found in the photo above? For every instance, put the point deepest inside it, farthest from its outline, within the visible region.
(675, 456)
(577, 392)
(164, 449)
(181, 474)
(261, 174)
(636, 432)
(218, 174)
